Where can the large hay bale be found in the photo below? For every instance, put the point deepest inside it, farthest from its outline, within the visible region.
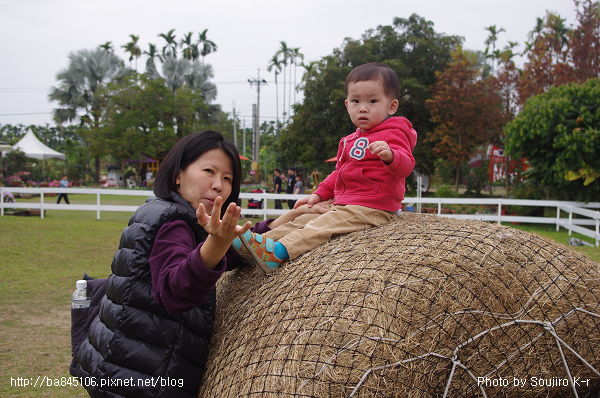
(422, 307)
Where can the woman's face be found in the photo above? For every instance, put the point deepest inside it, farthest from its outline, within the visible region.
(209, 176)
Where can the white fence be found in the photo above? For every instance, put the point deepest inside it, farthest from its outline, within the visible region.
(583, 218)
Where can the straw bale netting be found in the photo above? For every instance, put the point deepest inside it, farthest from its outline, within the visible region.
(422, 307)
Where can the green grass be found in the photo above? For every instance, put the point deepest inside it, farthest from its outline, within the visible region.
(562, 236)
(41, 260)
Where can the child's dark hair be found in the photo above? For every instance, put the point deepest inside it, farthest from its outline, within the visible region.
(375, 71)
(185, 152)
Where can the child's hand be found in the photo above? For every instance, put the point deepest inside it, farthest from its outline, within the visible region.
(226, 229)
(382, 149)
(308, 200)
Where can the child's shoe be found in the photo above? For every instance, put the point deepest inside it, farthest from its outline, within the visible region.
(256, 249)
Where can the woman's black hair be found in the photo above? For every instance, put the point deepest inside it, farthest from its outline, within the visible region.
(185, 152)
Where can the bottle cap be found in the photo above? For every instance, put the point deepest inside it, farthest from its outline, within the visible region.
(81, 284)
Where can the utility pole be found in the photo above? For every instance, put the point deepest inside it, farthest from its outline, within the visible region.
(255, 154)
(234, 127)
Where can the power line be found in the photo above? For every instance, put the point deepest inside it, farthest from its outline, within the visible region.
(25, 114)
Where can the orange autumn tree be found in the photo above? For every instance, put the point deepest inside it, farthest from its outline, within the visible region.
(466, 109)
(547, 57)
(585, 41)
(558, 54)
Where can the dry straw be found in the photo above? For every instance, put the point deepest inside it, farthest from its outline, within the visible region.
(423, 307)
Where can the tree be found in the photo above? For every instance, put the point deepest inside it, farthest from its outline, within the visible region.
(170, 47)
(295, 54)
(491, 40)
(133, 49)
(548, 57)
(284, 53)
(558, 132)
(88, 71)
(207, 46)
(275, 65)
(107, 47)
(508, 80)
(585, 41)
(152, 54)
(190, 51)
(465, 124)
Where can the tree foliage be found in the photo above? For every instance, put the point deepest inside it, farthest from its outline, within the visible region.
(557, 54)
(467, 111)
(410, 46)
(145, 117)
(558, 132)
(88, 71)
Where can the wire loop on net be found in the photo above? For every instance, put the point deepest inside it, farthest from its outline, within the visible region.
(422, 307)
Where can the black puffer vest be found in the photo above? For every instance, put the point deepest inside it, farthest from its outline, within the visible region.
(134, 347)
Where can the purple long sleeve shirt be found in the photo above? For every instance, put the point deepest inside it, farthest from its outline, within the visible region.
(180, 281)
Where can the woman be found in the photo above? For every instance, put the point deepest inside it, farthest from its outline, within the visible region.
(300, 186)
(152, 334)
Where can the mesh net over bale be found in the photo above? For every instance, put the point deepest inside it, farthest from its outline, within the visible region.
(423, 307)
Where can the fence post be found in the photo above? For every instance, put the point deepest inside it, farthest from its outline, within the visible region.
(265, 206)
(419, 194)
(597, 229)
(557, 218)
(42, 204)
(98, 204)
(499, 213)
(570, 219)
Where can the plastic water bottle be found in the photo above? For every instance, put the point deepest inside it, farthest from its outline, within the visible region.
(80, 298)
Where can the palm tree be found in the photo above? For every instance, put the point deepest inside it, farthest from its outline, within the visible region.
(88, 71)
(133, 49)
(537, 30)
(284, 51)
(174, 71)
(107, 46)
(276, 66)
(559, 34)
(492, 39)
(295, 54)
(528, 48)
(170, 48)
(190, 51)
(207, 46)
(197, 80)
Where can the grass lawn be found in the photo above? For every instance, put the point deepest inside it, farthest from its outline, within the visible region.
(41, 260)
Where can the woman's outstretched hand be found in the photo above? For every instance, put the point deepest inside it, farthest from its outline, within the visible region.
(221, 231)
(225, 228)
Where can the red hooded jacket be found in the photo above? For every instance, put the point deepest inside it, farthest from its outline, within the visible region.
(362, 178)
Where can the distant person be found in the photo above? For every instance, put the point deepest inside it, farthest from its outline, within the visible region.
(300, 185)
(277, 187)
(64, 183)
(291, 183)
(368, 183)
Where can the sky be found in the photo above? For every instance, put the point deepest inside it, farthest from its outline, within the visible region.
(36, 37)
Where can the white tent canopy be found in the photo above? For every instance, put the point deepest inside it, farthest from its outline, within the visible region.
(34, 148)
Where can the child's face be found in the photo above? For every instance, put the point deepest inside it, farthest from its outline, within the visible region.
(368, 105)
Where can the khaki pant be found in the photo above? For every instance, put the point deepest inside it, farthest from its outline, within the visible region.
(311, 230)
